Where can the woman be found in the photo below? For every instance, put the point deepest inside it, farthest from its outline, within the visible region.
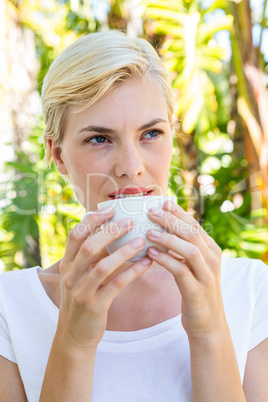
(178, 326)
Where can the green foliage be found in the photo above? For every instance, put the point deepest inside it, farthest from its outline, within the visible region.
(204, 106)
(56, 25)
(38, 203)
(191, 55)
(239, 232)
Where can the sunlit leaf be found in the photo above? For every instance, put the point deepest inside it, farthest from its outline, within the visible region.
(166, 5)
(194, 101)
(208, 30)
(210, 64)
(212, 143)
(167, 14)
(258, 248)
(255, 236)
(219, 4)
(162, 27)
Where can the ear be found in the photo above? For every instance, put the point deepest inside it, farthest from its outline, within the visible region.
(55, 151)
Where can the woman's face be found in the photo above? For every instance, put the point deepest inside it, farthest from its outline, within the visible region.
(123, 140)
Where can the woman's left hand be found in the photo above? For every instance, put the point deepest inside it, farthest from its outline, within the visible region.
(198, 275)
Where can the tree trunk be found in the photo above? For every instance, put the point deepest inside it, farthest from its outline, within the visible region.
(252, 102)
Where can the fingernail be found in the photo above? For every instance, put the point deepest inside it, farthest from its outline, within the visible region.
(137, 243)
(146, 261)
(105, 210)
(154, 233)
(153, 251)
(157, 211)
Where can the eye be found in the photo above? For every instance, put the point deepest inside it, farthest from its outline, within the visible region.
(99, 140)
(155, 133)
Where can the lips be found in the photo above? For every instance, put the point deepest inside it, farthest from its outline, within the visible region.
(130, 190)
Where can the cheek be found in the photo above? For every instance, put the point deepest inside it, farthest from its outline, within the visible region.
(165, 158)
(164, 154)
(159, 164)
(81, 163)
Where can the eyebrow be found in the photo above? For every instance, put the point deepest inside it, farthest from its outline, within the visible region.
(106, 130)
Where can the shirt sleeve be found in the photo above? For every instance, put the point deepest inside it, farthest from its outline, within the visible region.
(259, 327)
(6, 348)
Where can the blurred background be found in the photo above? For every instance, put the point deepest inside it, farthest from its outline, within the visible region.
(217, 55)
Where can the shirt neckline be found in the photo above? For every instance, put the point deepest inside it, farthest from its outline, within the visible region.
(114, 336)
(144, 339)
(109, 336)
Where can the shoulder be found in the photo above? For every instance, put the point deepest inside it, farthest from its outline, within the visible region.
(245, 297)
(16, 275)
(243, 282)
(244, 270)
(12, 283)
(242, 263)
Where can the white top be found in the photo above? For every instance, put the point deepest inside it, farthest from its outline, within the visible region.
(152, 364)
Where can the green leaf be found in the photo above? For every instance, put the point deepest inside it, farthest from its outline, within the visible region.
(257, 248)
(210, 64)
(162, 27)
(167, 14)
(206, 31)
(166, 5)
(255, 236)
(212, 143)
(219, 4)
(21, 167)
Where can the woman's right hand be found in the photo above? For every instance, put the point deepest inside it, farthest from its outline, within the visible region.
(86, 292)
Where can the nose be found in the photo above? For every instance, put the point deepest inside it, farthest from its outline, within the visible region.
(129, 162)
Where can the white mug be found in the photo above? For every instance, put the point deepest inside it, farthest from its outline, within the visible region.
(136, 208)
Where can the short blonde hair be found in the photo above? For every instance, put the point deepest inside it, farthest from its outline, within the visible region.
(90, 67)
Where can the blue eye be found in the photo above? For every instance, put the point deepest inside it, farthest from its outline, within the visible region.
(100, 139)
(97, 137)
(157, 132)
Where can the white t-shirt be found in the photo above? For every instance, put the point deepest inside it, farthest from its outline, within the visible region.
(152, 364)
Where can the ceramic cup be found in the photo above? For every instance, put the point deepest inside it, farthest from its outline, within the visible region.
(135, 208)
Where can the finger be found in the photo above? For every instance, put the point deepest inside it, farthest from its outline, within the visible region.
(179, 212)
(213, 249)
(93, 247)
(82, 230)
(184, 277)
(101, 254)
(174, 225)
(110, 290)
(190, 252)
(176, 255)
(107, 266)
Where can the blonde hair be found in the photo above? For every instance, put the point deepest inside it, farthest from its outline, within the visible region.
(90, 67)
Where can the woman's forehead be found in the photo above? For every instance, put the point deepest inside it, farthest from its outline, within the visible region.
(134, 100)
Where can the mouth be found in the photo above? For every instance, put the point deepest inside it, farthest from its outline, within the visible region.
(142, 194)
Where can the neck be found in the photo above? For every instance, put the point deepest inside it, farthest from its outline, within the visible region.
(150, 299)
